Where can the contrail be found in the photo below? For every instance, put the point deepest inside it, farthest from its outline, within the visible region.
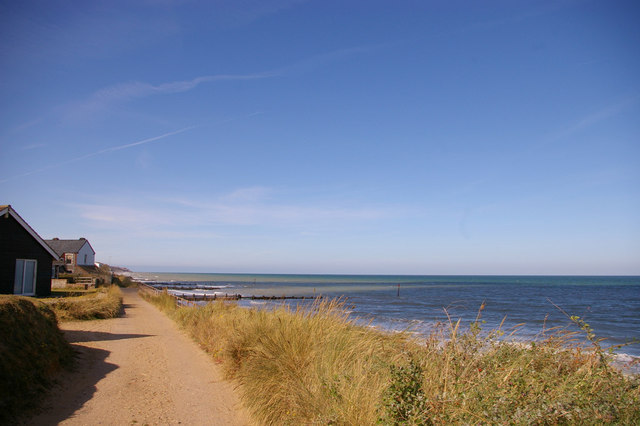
(129, 145)
(102, 151)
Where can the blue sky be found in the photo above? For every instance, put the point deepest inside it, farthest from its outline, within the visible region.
(411, 137)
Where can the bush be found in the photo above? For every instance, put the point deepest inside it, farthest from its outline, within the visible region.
(32, 349)
(123, 281)
(405, 397)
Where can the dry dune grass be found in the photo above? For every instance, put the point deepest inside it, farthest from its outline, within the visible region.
(317, 366)
(104, 303)
(32, 350)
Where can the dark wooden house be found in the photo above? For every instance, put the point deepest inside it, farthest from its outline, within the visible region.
(25, 259)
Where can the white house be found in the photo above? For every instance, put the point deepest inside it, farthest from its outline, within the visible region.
(73, 253)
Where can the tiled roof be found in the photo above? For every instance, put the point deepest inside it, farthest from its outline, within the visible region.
(66, 246)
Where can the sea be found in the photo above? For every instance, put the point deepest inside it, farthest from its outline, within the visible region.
(524, 307)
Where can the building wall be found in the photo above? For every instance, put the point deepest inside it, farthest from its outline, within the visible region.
(17, 243)
(86, 251)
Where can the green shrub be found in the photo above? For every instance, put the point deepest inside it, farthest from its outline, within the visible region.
(405, 398)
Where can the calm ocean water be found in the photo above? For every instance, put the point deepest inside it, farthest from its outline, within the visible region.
(611, 305)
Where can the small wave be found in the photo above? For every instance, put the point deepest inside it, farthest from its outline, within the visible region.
(182, 286)
(627, 363)
(626, 358)
(200, 292)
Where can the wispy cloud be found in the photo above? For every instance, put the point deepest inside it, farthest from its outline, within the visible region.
(137, 89)
(228, 210)
(572, 128)
(323, 59)
(118, 93)
(250, 194)
(27, 125)
(100, 152)
(532, 12)
(124, 92)
(246, 207)
(594, 118)
(231, 14)
(33, 146)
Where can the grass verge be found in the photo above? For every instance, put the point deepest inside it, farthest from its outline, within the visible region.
(32, 349)
(317, 366)
(105, 302)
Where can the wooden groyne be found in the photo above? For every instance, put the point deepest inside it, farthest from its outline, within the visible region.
(206, 297)
(190, 299)
(185, 287)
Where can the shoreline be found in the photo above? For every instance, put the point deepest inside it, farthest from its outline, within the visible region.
(626, 363)
(420, 304)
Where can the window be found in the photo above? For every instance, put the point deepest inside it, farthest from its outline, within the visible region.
(25, 279)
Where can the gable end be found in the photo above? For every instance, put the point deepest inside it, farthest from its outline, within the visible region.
(9, 211)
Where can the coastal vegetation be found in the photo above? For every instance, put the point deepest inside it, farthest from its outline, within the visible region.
(100, 303)
(32, 350)
(32, 347)
(123, 281)
(316, 365)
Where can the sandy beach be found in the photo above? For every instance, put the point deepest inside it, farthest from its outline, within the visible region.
(139, 369)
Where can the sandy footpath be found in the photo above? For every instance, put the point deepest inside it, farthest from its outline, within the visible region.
(139, 369)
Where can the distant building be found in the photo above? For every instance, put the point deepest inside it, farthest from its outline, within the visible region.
(72, 253)
(25, 259)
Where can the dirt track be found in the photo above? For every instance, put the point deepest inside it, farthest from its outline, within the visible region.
(139, 369)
